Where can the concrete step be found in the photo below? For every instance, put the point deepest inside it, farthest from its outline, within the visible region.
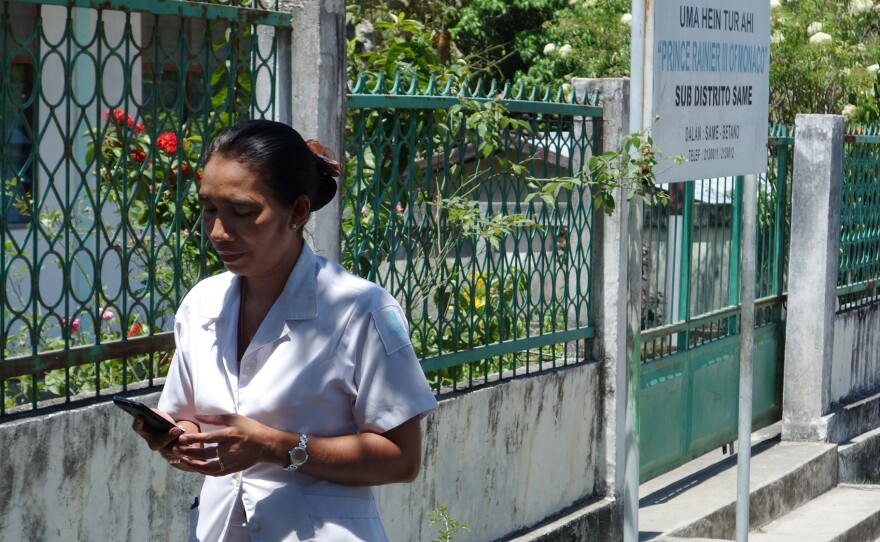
(858, 459)
(698, 500)
(847, 513)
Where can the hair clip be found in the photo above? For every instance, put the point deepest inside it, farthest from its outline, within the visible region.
(329, 165)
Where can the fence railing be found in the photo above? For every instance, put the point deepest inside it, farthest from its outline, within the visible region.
(690, 267)
(858, 278)
(104, 108)
(431, 175)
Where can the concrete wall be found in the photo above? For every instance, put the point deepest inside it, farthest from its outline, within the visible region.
(84, 475)
(855, 366)
(501, 458)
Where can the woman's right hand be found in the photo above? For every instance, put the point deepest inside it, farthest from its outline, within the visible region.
(160, 442)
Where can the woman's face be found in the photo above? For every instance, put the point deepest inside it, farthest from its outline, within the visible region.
(249, 229)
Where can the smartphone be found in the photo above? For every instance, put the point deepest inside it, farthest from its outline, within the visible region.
(152, 420)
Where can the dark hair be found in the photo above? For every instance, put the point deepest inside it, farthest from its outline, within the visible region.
(279, 157)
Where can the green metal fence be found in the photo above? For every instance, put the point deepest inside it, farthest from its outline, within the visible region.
(104, 108)
(690, 268)
(858, 280)
(432, 174)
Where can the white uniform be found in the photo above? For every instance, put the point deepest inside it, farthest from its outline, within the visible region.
(332, 357)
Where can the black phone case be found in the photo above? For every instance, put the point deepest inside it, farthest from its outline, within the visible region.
(151, 419)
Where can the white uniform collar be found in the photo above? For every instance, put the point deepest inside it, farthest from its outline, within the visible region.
(298, 300)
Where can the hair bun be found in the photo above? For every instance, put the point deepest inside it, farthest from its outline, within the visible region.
(327, 163)
(325, 193)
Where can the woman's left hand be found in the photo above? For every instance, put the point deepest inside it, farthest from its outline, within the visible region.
(240, 444)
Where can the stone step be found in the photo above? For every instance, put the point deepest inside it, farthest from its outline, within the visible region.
(847, 513)
(698, 500)
(858, 459)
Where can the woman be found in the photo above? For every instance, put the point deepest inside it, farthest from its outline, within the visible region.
(294, 385)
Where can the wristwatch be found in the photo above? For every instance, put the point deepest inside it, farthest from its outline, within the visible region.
(300, 454)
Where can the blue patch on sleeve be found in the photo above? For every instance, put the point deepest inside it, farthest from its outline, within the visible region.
(391, 328)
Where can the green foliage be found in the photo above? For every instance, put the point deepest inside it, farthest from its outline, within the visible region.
(473, 311)
(84, 378)
(632, 169)
(231, 80)
(825, 77)
(391, 43)
(154, 184)
(500, 33)
(585, 38)
(448, 525)
(546, 42)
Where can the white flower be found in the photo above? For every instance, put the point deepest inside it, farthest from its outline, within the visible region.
(566, 91)
(873, 69)
(364, 31)
(777, 37)
(849, 111)
(820, 38)
(549, 48)
(814, 28)
(860, 6)
(626, 19)
(565, 50)
(775, 4)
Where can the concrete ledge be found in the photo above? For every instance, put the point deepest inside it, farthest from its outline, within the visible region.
(847, 513)
(776, 496)
(868, 528)
(858, 459)
(854, 419)
(677, 539)
(595, 520)
(698, 499)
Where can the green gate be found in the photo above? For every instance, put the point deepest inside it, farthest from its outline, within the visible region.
(689, 375)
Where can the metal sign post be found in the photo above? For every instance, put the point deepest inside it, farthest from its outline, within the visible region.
(746, 355)
(641, 80)
(700, 85)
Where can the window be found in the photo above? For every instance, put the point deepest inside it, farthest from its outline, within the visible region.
(17, 163)
(174, 72)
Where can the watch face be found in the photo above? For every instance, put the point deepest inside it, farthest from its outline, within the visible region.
(298, 456)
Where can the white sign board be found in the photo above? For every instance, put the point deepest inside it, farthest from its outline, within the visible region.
(711, 66)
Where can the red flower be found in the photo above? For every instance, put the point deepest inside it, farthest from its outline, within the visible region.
(139, 128)
(135, 330)
(167, 142)
(172, 175)
(120, 118)
(73, 324)
(138, 156)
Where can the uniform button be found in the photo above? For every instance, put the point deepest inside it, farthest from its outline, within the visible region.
(248, 367)
(256, 526)
(237, 479)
